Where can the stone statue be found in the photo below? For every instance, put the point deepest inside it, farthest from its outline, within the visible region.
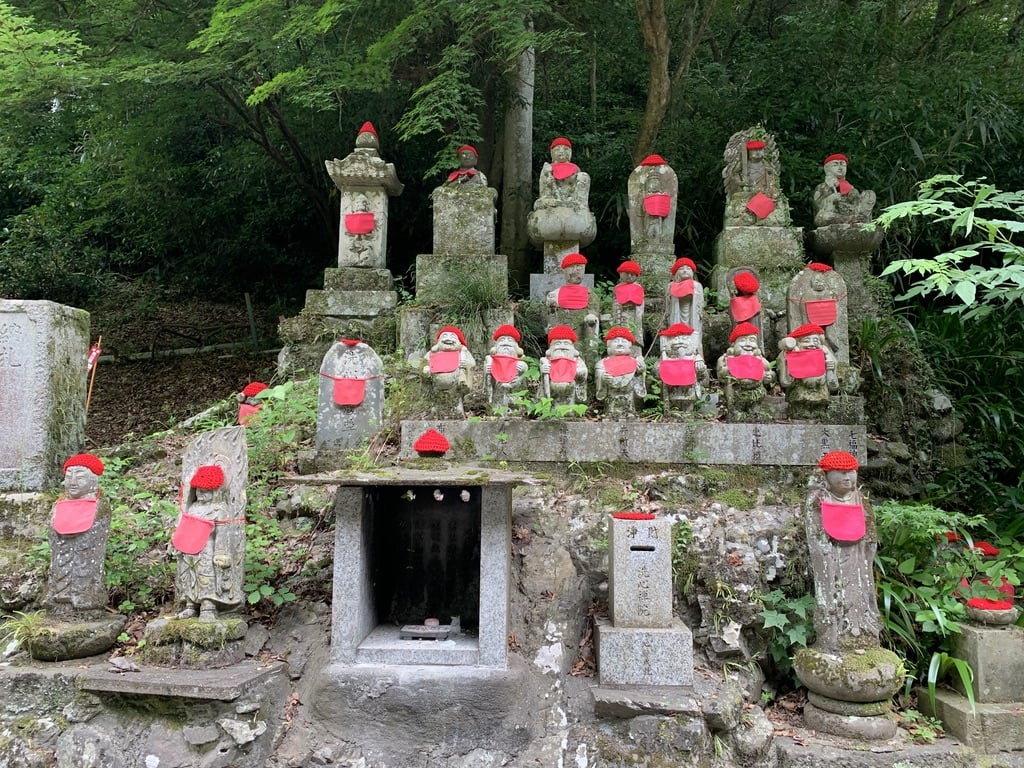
(619, 377)
(248, 402)
(464, 217)
(684, 298)
(745, 373)
(653, 189)
(850, 678)
(807, 372)
(817, 294)
(561, 214)
(682, 370)
(573, 303)
(837, 201)
(449, 368)
(628, 306)
(745, 304)
(751, 177)
(504, 368)
(563, 373)
(79, 528)
(350, 398)
(467, 173)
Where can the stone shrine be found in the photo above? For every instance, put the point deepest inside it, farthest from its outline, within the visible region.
(350, 403)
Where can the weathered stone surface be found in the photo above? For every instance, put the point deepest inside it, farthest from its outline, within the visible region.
(350, 304)
(242, 732)
(225, 684)
(776, 253)
(626, 701)
(867, 728)
(441, 275)
(350, 402)
(724, 710)
(816, 295)
(463, 220)
(811, 751)
(43, 348)
(640, 565)
(644, 656)
(346, 279)
(996, 654)
(660, 735)
(198, 735)
(853, 708)
(753, 736)
(84, 746)
(990, 727)
(58, 640)
(867, 675)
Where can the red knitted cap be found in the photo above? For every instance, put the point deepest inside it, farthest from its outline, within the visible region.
(653, 160)
(633, 515)
(561, 141)
(986, 549)
(619, 332)
(451, 329)
(840, 460)
(755, 144)
(807, 329)
(507, 330)
(431, 443)
(87, 460)
(368, 128)
(561, 332)
(743, 329)
(817, 266)
(679, 329)
(208, 477)
(467, 147)
(684, 262)
(573, 258)
(836, 156)
(350, 342)
(746, 282)
(629, 266)
(253, 388)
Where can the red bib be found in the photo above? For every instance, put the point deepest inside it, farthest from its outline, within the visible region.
(455, 175)
(844, 187)
(843, 522)
(563, 370)
(191, 534)
(352, 391)
(573, 297)
(744, 307)
(658, 205)
(805, 363)
(678, 373)
(821, 312)
(562, 171)
(71, 516)
(629, 293)
(745, 367)
(246, 412)
(359, 223)
(619, 365)
(682, 288)
(444, 361)
(504, 368)
(761, 205)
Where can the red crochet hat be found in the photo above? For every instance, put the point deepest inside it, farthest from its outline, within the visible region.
(619, 332)
(633, 515)
(469, 148)
(755, 144)
(572, 259)
(743, 329)
(817, 266)
(368, 128)
(629, 266)
(253, 388)
(679, 329)
(653, 160)
(561, 141)
(839, 460)
(451, 329)
(561, 332)
(684, 262)
(746, 282)
(507, 330)
(208, 477)
(807, 329)
(431, 443)
(87, 460)
(836, 156)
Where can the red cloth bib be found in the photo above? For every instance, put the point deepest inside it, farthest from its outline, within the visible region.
(445, 361)
(71, 516)
(359, 223)
(191, 534)
(805, 363)
(658, 205)
(821, 312)
(682, 288)
(844, 187)
(455, 175)
(843, 522)
(246, 412)
(761, 205)
(744, 307)
(352, 391)
(504, 368)
(629, 293)
(563, 370)
(562, 171)
(573, 297)
(678, 373)
(745, 367)
(619, 365)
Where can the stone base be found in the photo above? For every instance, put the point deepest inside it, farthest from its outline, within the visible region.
(226, 684)
(626, 701)
(542, 284)
(480, 275)
(851, 708)
(351, 304)
(307, 337)
(63, 638)
(642, 656)
(194, 644)
(880, 728)
(858, 676)
(989, 728)
(344, 279)
(996, 654)
(776, 254)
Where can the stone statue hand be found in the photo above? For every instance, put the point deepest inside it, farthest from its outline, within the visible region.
(545, 365)
(222, 561)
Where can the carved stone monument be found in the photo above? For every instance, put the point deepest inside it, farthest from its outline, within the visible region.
(682, 370)
(684, 299)
(817, 295)
(573, 303)
(350, 405)
(745, 374)
(807, 372)
(652, 194)
(850, 677)
(563, 372)
(504, 368)
(628, 302)
(619, 377)
(449, 372)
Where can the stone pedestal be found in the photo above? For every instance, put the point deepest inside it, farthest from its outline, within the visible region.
(195, 644)
(74, 637)
(446, 278)
(848, 248)
(644, 656)
(776, 253)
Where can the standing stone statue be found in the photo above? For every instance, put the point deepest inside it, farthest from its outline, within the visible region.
(628, 304)
(350, 402)
(563, 372)
(619, 377)
(504, 368)
(249, 403)
(682, 370)
(652, 195)
(807, 372)
(745, 304)
(817, 295)
(745, 373)
(464, 216)
(684, 298)
(850, 677)
(751, 177)
(573, 303)
(449, 369)
(837, 201)
(561, 220)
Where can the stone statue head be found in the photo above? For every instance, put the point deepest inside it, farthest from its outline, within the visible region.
(629, 271)
(207, 483)
(743, 340)
(561, 150)
(808, 336)
(840, 470)
(506, 341)
(82, 476)
(573, 267)
(683, 269)
(619, 341)
(467, 156)
(367, 137)
(679, 341)
(835, 166)
(449, 338)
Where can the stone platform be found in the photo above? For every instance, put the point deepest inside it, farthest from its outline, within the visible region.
(638, 441)
(226, 684)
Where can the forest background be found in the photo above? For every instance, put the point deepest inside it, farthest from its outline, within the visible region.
(180, 145)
